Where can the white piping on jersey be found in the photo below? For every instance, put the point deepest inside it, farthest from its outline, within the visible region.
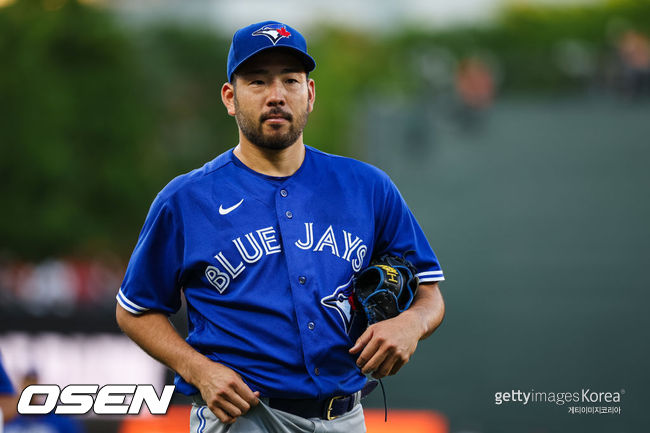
(128, 305)
(431, 279)
(424, 274)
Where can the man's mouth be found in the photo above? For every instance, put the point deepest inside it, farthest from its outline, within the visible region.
(276, 120)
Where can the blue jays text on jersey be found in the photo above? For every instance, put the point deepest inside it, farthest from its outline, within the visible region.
(265, 265)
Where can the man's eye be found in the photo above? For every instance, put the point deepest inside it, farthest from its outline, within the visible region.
(257, 82)
(291, 80)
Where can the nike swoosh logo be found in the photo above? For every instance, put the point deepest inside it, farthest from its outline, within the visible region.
(226, 211)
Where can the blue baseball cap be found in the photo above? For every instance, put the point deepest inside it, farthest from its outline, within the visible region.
(250, 40)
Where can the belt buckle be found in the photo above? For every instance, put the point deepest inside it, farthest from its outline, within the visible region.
(328, 414)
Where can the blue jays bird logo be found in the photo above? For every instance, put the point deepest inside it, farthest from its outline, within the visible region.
(340, 301)
(273, 33)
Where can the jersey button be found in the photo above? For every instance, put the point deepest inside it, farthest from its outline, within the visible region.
(289, 214)
(302, 280)
(317, 371)
(311, 326)
(284, 193)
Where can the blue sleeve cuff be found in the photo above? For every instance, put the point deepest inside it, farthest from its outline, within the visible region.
(128, 305)
(430, 276)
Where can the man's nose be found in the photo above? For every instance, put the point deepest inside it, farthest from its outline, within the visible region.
(276, 93)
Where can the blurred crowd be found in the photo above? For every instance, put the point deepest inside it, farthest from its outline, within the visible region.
(634, 55)
(474, 79)
(59, 286)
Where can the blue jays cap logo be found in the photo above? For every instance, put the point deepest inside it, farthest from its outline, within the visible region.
(274, 32)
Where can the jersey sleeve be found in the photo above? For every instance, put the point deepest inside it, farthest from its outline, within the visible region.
(152, 279)
(397, 232)
(5, 384)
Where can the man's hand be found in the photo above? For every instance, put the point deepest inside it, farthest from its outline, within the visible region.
(224, 391)
(387, 345)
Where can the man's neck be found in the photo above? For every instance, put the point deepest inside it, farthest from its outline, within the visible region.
(279, 163)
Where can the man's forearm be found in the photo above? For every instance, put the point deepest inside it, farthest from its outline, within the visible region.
(155, 335)
(8, 406)
(224, 391)
(429, 307)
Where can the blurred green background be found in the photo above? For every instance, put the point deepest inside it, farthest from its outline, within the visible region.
(521, 145)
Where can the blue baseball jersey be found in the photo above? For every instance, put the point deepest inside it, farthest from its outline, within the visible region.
(265, 265)
(5, 383)
(49, 423)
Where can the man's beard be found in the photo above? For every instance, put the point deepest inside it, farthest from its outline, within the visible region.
(254, 132)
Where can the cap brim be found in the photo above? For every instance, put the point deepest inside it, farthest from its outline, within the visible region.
(306, 59)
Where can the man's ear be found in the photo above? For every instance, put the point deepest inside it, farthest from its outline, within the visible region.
(311, 89)
(228, 97)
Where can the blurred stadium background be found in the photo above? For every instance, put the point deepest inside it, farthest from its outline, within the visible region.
(519, 133)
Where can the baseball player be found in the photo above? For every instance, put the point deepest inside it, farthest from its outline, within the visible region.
(263, 242)
(8, 399)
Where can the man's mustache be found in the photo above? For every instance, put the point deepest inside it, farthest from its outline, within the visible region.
(275, 113)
